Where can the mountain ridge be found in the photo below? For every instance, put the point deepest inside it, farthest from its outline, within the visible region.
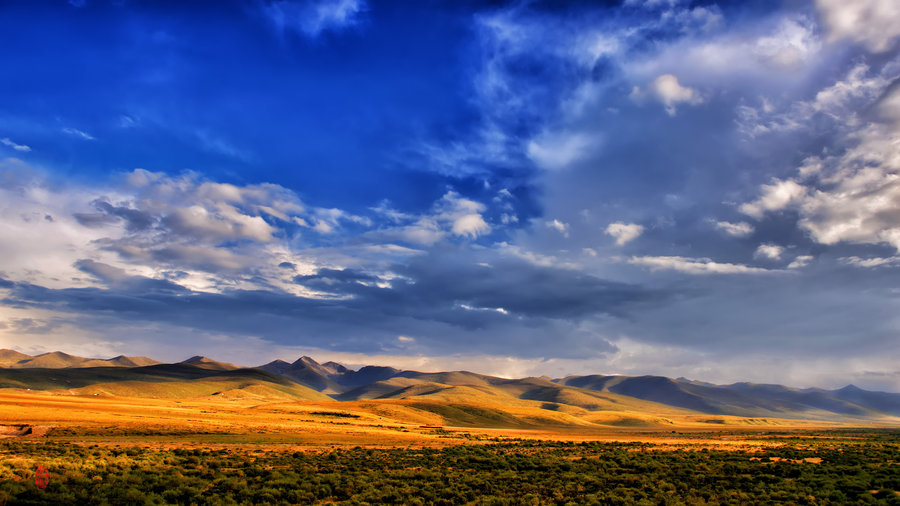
(306, 378)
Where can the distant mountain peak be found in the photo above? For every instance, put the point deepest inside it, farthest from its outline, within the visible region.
(55, 354)
(208, 363)
(335, 368)
(305, 360)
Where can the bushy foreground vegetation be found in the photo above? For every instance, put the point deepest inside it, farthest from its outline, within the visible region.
(851, 471)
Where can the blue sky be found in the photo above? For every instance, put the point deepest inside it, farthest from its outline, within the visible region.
(699, 189)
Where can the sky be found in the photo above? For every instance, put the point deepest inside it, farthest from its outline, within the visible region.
(694, 189)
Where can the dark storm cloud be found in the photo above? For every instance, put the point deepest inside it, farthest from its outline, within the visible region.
(326, 277)
(440, 285)
(452, 304)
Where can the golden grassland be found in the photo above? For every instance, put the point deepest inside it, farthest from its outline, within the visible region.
(247, 419)
(443, 446)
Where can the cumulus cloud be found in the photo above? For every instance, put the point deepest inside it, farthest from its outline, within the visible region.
(694, 265)
(463, 215)
(670, 92)
(222, 223)
(18, 147)
(624, 232)
(769, 251)
(873, 23)
(451, 215)
(850, 196)
(667, 90)
(775, 197)
(313, 17)
(201, 234)
(739, 229)
(470, 225)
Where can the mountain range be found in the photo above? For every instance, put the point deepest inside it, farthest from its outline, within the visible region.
(587, 397)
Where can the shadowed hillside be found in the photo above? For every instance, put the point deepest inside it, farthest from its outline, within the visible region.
(746, 399)
(157, 381)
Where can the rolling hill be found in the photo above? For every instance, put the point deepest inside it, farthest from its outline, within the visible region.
(58, 360)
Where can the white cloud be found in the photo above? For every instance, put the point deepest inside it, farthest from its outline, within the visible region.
(222, 222)
(311, 18)
(851, 191)
(852, 196)
(694, 265)
(562, 228)
(39, 238)
(535, 258)
(328, 221)
(425, 231)
(18, 147)
(838, 103)
(624, 232)
(78, 133)
(770, 251)
(451, 214)
(739, 229)
(203, 235)
(670, 92)
(558, 151)
(470, 225)
(462, 214)
(792, 43)
(800, 261)
(775, 196)
(767, 53)
(873, 23)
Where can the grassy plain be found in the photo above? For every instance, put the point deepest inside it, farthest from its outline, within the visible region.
(244, 448)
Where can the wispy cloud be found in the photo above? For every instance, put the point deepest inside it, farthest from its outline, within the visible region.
(739, 229)
(694, 265)
(18, 147)
(800, 261)
(871, 262)
(78, 133)
(313, 17)
(215, 144)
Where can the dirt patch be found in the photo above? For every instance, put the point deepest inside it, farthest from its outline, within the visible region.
(23, 430)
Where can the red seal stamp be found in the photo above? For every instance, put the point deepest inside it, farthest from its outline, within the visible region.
(41, 477)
